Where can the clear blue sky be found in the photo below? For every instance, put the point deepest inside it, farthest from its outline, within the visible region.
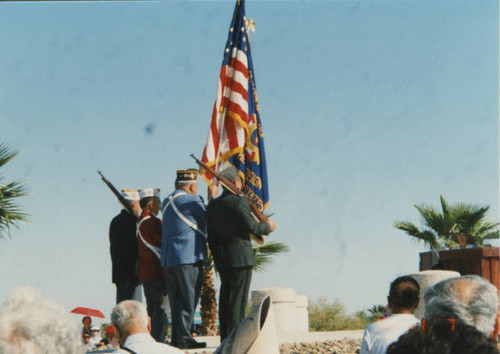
(367, 108)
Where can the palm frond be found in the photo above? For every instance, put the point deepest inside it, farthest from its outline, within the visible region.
(428, 237)
(439, 225)
(6, 154)
(10, 212)
(265, 252)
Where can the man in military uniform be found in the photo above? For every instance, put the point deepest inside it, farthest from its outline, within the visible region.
(150, 272)
(183, 254)
(123, 249)
(230, 224)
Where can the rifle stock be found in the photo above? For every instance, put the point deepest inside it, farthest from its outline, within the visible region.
(256, 213)
(122, 200)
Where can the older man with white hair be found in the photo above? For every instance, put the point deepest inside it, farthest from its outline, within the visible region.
(469, 298)
(31, 323)
(132, 325)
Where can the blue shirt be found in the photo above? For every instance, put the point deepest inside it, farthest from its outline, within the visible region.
(180, 243)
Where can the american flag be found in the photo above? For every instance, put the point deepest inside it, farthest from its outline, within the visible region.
(235, 136)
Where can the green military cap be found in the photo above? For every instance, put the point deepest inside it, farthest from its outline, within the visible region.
(230, 173)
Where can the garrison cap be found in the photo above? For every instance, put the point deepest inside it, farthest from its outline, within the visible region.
(149, 192)
(230, 173)
(130, 194)
(186, 177)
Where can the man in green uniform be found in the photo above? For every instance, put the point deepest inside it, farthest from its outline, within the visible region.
(230, 224)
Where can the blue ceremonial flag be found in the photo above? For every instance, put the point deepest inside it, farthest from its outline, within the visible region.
(235, 134)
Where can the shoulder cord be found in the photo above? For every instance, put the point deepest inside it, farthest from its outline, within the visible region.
(181, 216)
(154, 249)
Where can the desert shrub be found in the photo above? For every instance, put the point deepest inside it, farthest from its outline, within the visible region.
(331, 316)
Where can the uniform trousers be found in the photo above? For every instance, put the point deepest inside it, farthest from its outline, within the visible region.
(184, 284)
(128, 290)
(235, 285)
(154, 290)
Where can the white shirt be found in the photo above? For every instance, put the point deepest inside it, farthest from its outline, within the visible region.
(379, 335)
(143, 343)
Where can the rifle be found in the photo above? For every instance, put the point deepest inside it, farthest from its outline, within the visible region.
(256, 213)
(122, 200)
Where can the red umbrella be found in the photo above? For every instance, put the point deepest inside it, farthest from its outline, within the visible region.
(110, 329)
(88, 312)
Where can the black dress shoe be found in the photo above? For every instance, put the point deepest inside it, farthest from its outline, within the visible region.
(193, 345)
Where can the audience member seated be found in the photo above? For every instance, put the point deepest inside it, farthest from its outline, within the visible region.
(132, 327)
(102, 344)
(87, 323)
(95, 336)
(403, 299)
(443, 336)
(31, 323)
(470, 299)
(86, 341)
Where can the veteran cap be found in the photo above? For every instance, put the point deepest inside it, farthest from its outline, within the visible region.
(149, 192)
(186, 177)
(130, 194)
(230, 173)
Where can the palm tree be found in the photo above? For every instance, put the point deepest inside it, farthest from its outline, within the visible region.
(377, 311)
(10, 213)
(208, 303)
(439, 226)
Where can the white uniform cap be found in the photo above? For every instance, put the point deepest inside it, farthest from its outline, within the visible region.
(149, 192)
(130, 194)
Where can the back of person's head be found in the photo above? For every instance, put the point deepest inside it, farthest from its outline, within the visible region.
(129, 315)
(31, 323)
(144, 202)
(470, 299)
(443, 336)
(404, 293)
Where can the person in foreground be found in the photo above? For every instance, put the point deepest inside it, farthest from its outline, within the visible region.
(132, 326)
(469, 298)
(443, 336)
(33, 324)
(461, 316)
(403, 299)
(230, 223)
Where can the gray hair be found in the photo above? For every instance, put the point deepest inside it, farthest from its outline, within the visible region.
(127, 312)
(477, 306)
(31, 323)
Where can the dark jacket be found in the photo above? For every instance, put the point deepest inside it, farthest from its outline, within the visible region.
(229, 223)
(123, 247)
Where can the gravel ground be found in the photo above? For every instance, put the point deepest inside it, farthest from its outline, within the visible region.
(343, 346)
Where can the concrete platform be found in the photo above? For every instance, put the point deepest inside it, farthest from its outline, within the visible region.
(311, 337)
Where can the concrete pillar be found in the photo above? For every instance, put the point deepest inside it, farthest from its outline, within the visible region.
(301, 304)
(426, 279)
(283, 300)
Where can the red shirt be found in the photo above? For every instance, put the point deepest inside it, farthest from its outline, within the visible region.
(150, 230)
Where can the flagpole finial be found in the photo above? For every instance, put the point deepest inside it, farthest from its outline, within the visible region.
(250, 24)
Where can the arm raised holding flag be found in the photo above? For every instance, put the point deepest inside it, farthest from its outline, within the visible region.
(230, 186)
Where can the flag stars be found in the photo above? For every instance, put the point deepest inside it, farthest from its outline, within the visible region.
(231, 29)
